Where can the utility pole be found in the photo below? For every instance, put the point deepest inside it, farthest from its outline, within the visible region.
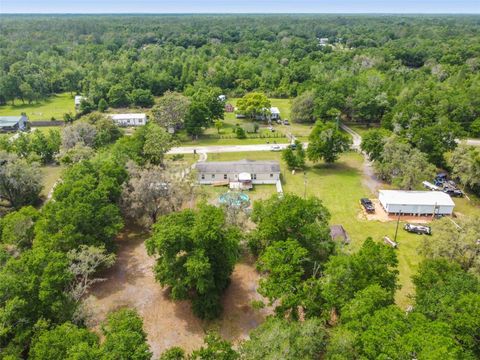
(398, 223)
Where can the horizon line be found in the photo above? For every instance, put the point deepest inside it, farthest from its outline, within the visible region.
(240, 13)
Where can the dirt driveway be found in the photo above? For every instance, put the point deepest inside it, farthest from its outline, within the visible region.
(167, 323)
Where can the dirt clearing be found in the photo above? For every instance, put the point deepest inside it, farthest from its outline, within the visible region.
(130, 282)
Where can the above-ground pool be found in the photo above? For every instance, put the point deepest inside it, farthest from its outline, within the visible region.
(234, 198)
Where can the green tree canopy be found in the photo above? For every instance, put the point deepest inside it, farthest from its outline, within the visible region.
(327, 142)
(291, 217)
(253, 104)
(196, 253)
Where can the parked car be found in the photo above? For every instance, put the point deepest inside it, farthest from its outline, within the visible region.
(276, 148)
(279, 122)
(292, 146)
(271, 128)
(368, 205)
(453, 192)
(418, 229)
(285, 122)
(441, 177)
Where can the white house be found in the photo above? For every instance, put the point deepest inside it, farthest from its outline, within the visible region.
(416, 202)
(78, 100)
(246, 172)
(13, 123)
(323, 41)
(271, 114)
(129, 119)
(274, 113)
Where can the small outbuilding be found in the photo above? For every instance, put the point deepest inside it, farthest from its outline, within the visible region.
(129, 119)
(274, 113)
(416, 202)
(13, 123)
(78, 100)
(338, 232)
(242, 173)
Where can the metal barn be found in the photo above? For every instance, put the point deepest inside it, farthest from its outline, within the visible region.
(416, 202)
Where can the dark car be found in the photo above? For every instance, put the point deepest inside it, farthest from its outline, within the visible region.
(453, 192)
(368, 205)
(418, 229)
(292, 146)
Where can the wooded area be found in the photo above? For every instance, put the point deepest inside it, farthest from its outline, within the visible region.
(415, 79)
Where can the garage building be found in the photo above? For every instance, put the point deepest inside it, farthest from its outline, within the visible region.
(416, 202)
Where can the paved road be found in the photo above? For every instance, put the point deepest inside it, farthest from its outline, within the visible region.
(223, 148)
(473, 142)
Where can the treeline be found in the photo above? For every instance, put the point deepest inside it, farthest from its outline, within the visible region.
(409, 72)
(50, 256)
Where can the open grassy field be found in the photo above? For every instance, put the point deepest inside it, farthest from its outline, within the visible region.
(340, 187)
(55, 106)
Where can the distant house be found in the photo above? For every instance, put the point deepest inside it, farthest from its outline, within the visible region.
(78, 100)
(229, 108)
(222, 97)
(323, 41)
(243, 172)
(129, 119)
(416, 202)
(270, 114)
(274, 113)
(13, 123)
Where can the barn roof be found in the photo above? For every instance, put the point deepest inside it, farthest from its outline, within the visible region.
(247, 166)
(400, 197)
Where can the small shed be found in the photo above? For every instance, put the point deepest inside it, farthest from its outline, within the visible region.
(337, 232)
(416, 202)
(78, 100)
(229, 108)
(274, 113)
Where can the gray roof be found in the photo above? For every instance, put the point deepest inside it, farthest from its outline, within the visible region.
(9, 120)
(248, 166)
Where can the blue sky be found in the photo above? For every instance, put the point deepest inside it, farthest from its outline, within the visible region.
(239, 6)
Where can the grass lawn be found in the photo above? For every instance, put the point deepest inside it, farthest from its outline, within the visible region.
(55, 106)
(340, 187)
(51, 174)
(361, 129)
(210, 136)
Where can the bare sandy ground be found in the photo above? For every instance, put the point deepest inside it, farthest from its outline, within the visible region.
(130, 282)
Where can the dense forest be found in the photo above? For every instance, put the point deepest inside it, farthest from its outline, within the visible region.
(418, 77)
(411, 72)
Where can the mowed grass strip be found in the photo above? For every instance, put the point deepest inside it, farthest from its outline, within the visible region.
(55, 106)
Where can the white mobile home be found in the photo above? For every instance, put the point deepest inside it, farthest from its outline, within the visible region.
(246, 171)
(416, 202)
(129, 119)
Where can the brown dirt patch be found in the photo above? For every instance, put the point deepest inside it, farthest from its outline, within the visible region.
(131, 283)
